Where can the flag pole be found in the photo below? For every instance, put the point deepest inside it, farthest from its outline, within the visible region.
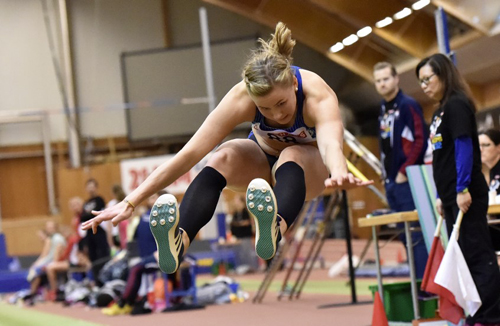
(458, 222)
(438, 226)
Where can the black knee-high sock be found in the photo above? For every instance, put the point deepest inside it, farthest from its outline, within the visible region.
(199, 202)
(290, 191)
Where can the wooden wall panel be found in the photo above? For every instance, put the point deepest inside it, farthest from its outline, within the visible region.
(25, 205)
(23, 187)
(491, 95)
(21, 234)
(71, 182)
(24, 198)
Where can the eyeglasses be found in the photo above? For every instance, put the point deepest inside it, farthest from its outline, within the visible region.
(484, 145)
(426, 80)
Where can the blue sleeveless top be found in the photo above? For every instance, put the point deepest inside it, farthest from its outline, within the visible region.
(299, 133)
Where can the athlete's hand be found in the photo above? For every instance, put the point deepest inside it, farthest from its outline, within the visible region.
(115, 213)
(345, 182)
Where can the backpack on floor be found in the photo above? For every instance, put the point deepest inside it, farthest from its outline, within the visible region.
(109, 292)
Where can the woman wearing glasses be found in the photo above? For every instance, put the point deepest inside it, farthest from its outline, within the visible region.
(459, 181)
(489, 143)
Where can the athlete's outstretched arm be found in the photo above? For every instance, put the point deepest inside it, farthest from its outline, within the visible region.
(323, 109)
(236, 107)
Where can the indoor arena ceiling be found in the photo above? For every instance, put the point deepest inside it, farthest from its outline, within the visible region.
(473, 25)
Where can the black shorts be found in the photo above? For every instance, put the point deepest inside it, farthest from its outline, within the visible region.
(271, 159)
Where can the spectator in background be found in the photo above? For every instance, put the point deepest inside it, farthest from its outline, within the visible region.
(71, 255)
(117, 235)
(489, 143)
(125, 303)
(242, 229)
(459, 181)
(142, 234)
(403, 141)
(241, 224)
(76, 209)
(53, 246)
(148, 264)
(97, 245)
(118, 195)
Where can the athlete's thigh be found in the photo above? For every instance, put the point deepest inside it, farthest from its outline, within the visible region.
(240, 161)
(310, 160)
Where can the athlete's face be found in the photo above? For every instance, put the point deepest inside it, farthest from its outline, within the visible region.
(385, 83)
(489, 151)
(279, 106)
(430, 83)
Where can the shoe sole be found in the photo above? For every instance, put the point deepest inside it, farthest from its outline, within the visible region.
(163, 221)
(261, 203)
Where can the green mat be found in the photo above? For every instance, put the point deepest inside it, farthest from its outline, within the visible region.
(11, 315)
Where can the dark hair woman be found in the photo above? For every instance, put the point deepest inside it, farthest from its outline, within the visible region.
(459, 181)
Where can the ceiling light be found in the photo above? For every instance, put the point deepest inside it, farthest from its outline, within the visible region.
(364, 31)
(351, 39)
(402, 14)
(384, 22)
(420, 4)
(337, 47)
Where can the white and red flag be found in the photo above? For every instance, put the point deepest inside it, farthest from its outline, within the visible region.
(449, 309)
(454, 275)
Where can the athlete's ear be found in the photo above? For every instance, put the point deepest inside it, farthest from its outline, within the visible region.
(295, 83)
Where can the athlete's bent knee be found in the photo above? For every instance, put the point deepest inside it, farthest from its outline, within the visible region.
(296, 153)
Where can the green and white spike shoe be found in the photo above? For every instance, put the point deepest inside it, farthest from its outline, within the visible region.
(261, 203)
(163, 222)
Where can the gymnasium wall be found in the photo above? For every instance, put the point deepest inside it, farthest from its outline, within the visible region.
(101, 31)
(27, 80)
(26, 209)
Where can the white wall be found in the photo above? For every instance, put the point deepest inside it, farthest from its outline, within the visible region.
(102, 30)
(184, 25)
(27, 79)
